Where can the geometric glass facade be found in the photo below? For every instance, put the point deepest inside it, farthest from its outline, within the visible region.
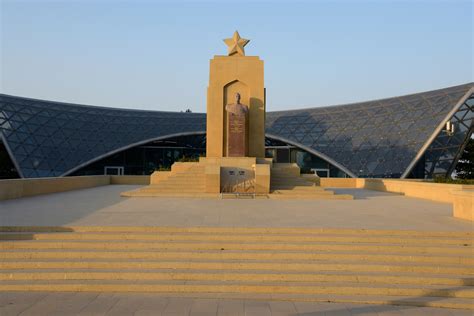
(54, 139)
(389, 138)
(308, 163)
(378, 139)
(442, 155)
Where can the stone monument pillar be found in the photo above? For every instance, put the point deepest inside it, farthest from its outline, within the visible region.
(237, 128)
(235, 73)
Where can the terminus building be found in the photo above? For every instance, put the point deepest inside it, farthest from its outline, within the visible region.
(414, 136)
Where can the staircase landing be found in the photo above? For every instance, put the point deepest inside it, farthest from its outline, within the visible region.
(285, 184)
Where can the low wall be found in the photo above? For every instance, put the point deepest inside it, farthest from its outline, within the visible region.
(461, 196)
(16, 188)
(439, 192)
(139, 180)
(463, 204)
(333, 182)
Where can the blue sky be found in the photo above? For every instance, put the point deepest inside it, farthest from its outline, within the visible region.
(155, 54)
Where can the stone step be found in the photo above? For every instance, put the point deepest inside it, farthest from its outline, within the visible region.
(241, 230)
(254, 238)
(299, 190)
(186, 185)
(237, 255)
(294, 185)
(185, 179)
(291, 180)
(175, 188)
(187, 176)
(242, 265)
(171, 194)
(362, 289)
(383, 266)
(310, 197)
(253, 276)
(188, 181)
(288, 177)
(216, 245)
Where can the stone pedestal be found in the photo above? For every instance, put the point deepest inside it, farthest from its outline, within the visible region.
(237, 174)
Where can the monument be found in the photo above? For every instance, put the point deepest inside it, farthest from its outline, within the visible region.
(236, 119)
(235, 142)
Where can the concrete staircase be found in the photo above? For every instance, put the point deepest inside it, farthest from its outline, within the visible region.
(286, 183)
(189, 182)
(297, 264)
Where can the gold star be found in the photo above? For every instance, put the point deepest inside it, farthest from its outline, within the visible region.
(236, 44)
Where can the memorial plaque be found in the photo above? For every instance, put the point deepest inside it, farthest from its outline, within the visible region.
(236, 128)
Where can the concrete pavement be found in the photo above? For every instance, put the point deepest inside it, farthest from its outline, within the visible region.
(104, 206)
(88, 304)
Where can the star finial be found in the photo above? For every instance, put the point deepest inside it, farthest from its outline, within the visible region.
(236, 44)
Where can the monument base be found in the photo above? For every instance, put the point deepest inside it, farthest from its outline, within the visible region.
(210, 177)
(233, 177)
(238, 174)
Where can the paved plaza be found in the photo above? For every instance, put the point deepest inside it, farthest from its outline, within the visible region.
(103, 206)
(117, 304)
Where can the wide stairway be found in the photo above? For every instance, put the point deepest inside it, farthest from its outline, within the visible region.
(285, 184)
(189, 183)
(297, 264)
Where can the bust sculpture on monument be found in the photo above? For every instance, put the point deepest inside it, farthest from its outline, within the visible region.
(237, 128)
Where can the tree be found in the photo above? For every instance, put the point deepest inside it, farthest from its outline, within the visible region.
(465, 165)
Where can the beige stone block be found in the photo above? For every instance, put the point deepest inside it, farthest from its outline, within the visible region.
(130, 180)
(182, 166)
(239, 162)
(16, 188)
(337, 182)
(289, 168)
(11, 189)
(463, 204)
(228, 75)
(213, 179)
(158, 176)
(262, 178)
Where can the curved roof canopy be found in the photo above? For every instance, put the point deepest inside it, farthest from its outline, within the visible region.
(376, 138)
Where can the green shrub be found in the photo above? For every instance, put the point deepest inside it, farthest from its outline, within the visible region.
(189, 159)
(442, 179)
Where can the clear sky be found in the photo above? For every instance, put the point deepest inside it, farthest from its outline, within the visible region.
(155, 54)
